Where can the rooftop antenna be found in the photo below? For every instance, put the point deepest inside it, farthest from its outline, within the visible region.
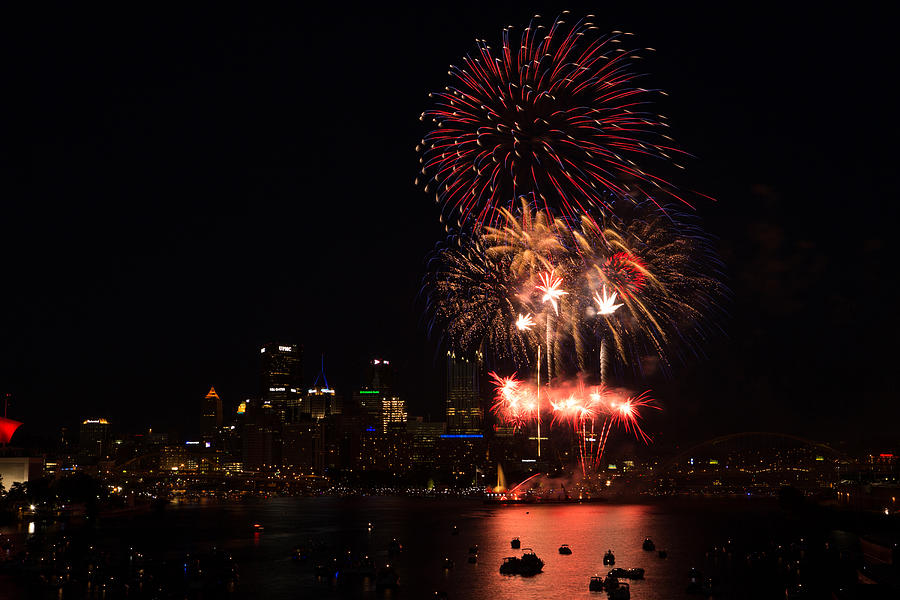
(322, 375)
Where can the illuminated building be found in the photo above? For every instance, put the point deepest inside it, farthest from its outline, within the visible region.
(393, 414)
(320, 399)
(464, 413)
(212, 414)
(381, 408)
(94, 439)
(20, 469)
(282, 380)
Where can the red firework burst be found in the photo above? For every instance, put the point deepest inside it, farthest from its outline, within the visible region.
(554, 116)
(626, 272)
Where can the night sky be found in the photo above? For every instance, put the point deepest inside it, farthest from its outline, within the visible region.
(179, 188)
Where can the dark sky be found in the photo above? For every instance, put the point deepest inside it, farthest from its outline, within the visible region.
(180, 187)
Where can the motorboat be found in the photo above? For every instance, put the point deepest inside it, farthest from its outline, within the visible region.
(448, 563)
(515, 543)
(564, 549)
(635, 573)
(454, 530)
(596, 584)
(648, 545)
(528, 565)
(618, 573)
(609, 558)
(621, 592)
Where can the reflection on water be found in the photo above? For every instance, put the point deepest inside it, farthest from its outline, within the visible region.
(424, 528)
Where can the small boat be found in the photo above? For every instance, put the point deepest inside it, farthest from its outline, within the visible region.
(454, 530)
(648, 545)
(596, 584)
(663, 554)
(622, 592)
(448, 564)
(564, 549)
(526, 566)
(618, 573)
(609, 558)
(395, 547)
(473, 549)
(515, 543)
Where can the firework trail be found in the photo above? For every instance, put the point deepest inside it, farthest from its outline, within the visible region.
(555, 115)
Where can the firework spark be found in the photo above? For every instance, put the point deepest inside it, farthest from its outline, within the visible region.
(525, 322)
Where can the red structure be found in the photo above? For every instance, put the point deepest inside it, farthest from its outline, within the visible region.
(7, 428)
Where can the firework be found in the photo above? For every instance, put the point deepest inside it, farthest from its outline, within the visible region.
(471, 299)
(515, 403)
(591, 412)
(553, 115)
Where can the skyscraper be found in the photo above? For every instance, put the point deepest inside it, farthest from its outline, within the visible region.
(212, 414)
(94, 438)
(282, 379)
(464, 413)
(377, 401)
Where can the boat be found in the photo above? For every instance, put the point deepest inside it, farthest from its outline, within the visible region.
(648, 545)
(473, 558)
(386, 579)
(635, 573)
(596, 584)
(448, 564)
(609, 558)
(564, 549)
(526, 566)
(473, 549)
(454, 530)
(618, 573)
(515, 543)
(258, 527)
(395, 547)
(663, 554)
(621, 592)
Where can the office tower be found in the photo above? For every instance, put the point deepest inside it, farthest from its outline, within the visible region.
(95, 437)
(377, 395)
(282, 380)
(320, 399)
(464, 413)
(212, 414)
(393, 414)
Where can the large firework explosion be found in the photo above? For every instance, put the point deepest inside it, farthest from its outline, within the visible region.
(554, 115)
(639, 282)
